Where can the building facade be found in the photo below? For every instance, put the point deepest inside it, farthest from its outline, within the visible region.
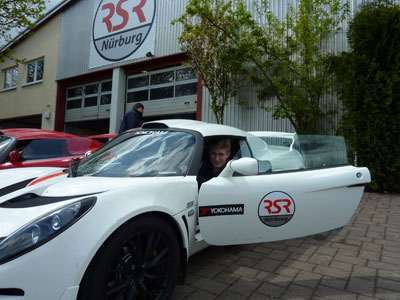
(28, 91)
(105, 66)
(111, 54)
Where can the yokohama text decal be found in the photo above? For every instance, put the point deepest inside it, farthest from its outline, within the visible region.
(221, 210)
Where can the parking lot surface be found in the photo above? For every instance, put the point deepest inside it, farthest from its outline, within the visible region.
(358, 261)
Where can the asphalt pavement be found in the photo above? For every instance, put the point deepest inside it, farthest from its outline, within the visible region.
(358, 261)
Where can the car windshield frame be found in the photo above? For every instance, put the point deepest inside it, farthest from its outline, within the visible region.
(7, 143)
(145, 153)
(5, 140)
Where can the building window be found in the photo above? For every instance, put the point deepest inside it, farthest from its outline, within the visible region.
(10, 77)
(89, 95)
(34, 71)
(164, 84)
(106, 90)
(74, 97)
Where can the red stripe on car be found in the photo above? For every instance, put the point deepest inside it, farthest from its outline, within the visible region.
(45, 178)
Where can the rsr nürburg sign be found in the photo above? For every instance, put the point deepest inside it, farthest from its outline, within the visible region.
(121, 30)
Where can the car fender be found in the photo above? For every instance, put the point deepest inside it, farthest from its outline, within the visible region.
(115, 208)
(78, 245)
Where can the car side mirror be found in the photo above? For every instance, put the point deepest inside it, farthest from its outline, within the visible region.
(245, 166)
(14, 156)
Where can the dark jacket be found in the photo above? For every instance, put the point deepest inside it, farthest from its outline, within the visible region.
(132, 119)
(206, 172)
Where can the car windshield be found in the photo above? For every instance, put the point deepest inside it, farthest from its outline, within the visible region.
(142, 154)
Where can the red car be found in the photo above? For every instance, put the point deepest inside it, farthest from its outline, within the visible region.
(27, 147)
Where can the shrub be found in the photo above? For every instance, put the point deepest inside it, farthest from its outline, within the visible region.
(369, 79)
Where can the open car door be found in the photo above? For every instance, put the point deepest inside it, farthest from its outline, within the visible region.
(249, 204)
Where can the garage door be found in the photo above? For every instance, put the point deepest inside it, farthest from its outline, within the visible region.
(164, 91)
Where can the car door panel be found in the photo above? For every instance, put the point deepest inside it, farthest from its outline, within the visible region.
(262, 208)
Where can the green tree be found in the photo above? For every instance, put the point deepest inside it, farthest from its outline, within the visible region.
(369, 79)
(289, 58)
(16, 16)
(294, 60)
(206, 39)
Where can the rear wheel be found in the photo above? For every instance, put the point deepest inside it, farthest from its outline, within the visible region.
(140, 261)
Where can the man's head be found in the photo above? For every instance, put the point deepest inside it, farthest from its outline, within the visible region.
(139, 107)
(219, 152)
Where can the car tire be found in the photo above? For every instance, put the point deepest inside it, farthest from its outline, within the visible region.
(139, 261)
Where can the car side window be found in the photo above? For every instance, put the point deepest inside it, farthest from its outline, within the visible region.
(299, 152)
(245, 151)
(44, 149)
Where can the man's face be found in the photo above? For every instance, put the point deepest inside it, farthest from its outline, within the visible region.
(141, 109)
(218, 157)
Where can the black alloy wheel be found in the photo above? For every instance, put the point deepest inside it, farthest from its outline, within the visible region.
(139, 262)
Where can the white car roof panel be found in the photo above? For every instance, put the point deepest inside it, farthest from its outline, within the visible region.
(272, 134)
(205, 129)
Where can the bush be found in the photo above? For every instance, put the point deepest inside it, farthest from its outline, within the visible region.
(369, 79)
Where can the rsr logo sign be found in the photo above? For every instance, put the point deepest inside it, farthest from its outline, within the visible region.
(121, 26)
(137, 11)
(276, 209)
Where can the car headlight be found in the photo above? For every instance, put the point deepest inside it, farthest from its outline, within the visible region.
(43, 229)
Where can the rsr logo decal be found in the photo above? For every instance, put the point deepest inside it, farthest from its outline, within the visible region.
(276, 209)
(121, 26)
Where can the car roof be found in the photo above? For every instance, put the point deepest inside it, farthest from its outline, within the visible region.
(101, 136)
(273, 134)
(34, 133)
(205, 129)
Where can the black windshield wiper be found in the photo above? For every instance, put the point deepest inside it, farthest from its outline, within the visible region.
(73, 166)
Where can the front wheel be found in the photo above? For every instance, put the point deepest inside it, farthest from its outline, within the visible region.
(139, 261)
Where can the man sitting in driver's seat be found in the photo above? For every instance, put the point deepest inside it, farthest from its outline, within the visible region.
(218, 153)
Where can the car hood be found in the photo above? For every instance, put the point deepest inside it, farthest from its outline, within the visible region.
(86, 185)
(56, 193)
(13, 176)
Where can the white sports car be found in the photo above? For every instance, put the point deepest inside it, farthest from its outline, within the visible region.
(123, 222)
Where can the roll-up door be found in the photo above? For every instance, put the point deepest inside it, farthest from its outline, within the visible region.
(88, 102)
(163, 92)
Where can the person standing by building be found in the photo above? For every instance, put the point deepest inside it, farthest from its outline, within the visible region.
(133, 118)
